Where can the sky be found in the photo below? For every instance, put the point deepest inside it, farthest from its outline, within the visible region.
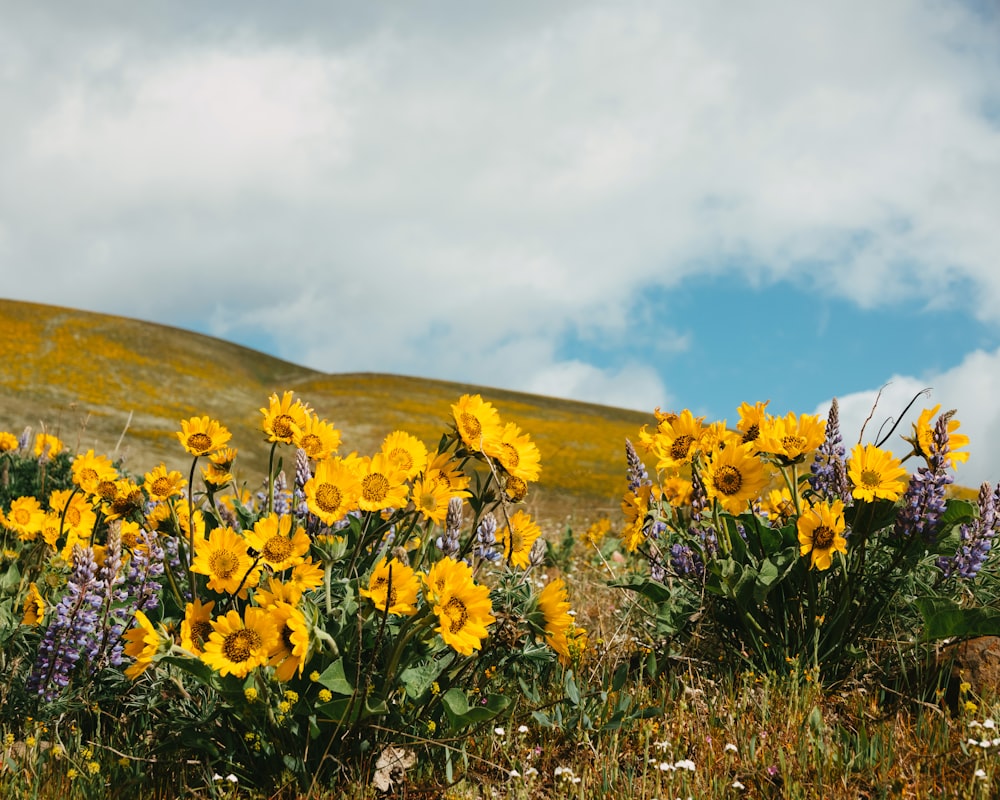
(639, 204)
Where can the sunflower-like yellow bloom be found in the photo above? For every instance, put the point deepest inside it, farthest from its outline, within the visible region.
(34, 606)
(923, 437)
(8, 442)
(47, 445)
(196, 625)
(223, 557)
(778, 505)
(752, 419)
(382, 484)
(284, 418)
(333, 490)
(405, 452)
(735, 477)
(161, 484)
(442, 573)
(443, 469)
(393, 588)
(515, 451)
(517, 538)
(292, 649)
(678, 491)
(142, 642)
(307, 575)
(275, 591)
(238, 645)
(201, 435)
(90, 470)
(676, 441)
(635, 507)
(820, 533)
(25, 518)
(318, 438)
(430, 497)
(126, 501)
(791, 437)
(52, 528)
(554, 604)
(477, 421)
(278, 545)
(73, 510)
(875, 474)
(464, 611)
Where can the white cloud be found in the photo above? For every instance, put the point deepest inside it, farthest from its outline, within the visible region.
(971, 388)
(421, 192)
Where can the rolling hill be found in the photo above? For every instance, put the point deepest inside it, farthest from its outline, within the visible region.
(121, 386)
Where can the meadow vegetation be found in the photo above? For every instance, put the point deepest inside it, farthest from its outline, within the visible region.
(422, 594)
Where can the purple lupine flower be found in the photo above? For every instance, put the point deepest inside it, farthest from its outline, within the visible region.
(71, 634)
(976, 539)
(924, 500)
(449, 543)
(144, 568)
(829, 472)
(657, 571)
(302, 476)
(684, 561)
(637, 474)
(486, 539)
(282, 497)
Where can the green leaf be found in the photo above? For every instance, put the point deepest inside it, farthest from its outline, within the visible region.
(654, 590)
(418, 679)
(572, 692)
(196, 667)
(11, 579)
(456, 705)
(944, 619)
(335, 679)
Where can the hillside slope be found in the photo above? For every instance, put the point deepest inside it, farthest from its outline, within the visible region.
(94, 379)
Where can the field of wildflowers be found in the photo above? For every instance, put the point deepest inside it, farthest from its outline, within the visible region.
(766, 613)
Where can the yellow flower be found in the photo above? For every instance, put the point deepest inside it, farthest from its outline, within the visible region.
(635, 508)
(292, 649)
(791, 437)
(8, 442)
(515, 451)
(820, 529)
(678, 491)
(161, 484)
(675, 442)
(779, 506)
(25, 518)
(196, 625)
(477, 422)
(923, 437)
(405, 452)
(318, 438)
(34, 606)
(752, 418)
(223, 557)
(276, 591)
(325, 695)
(518, 537)
(90, 470)
(126, 501)
(47, 445)
(52, 528)
(393, 587)
(464, 611)
(333, 490)
(441, 574)
(237, 645)
(250, 693)
(284, 418)
(278, 545)
(443, 469)
(201, 435)
(598, 529)
(735, 477)
(307, 575)
(875, 474)
(554, 604)
(142, 642)
(430, 498)
(73, 509)
(382, 484)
